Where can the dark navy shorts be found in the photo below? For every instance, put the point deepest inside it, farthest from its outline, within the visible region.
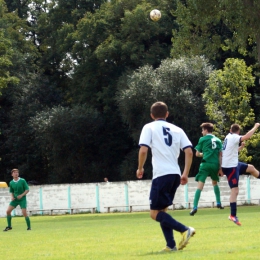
(234, 172)
(163, 191)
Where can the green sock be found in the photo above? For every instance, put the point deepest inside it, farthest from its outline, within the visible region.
(9, 219)
(28, 222)
(196, 198)
(217, 194)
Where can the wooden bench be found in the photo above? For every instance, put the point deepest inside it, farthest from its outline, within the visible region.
(93, 210)
(130, 208)
(108, 208)
(213, 203)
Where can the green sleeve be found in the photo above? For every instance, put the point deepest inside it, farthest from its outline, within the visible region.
(198, 147)
(26, 187)
(11, 190)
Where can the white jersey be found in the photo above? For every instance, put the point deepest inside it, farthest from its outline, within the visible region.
(165, 140)
(230, 150)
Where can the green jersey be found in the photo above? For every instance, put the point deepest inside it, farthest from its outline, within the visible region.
(210, 146)
(18, 187)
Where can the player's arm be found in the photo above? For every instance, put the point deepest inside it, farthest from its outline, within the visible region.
(198, 148)
(220, 172)
(12, 197)
(141, 161)
(242, 145)
(23, 194)
(11, 190)
(199, 154)
(250, 133)
(188, 160)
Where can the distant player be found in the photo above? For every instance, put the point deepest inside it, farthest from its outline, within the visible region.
(18, 188)
(232, 168)
(210, 149)
(165, 141)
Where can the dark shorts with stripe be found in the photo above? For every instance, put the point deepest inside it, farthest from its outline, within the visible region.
(163, 191)
(233, 173)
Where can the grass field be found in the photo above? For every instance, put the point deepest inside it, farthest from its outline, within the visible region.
(131, 236)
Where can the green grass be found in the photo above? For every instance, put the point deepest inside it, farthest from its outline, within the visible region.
(131, 236)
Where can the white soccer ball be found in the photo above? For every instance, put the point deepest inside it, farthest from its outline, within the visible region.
(155, 15)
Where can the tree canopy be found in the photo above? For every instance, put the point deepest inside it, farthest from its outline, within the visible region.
(214, 27)
(78, 77)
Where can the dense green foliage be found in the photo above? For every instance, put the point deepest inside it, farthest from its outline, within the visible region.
(179, 83)
(78, 77)
(217, 28)
(228, 102)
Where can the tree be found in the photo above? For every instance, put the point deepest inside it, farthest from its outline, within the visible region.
(24, 93)
(5, 62)
(118, 37)
(228, 102)
(226, 97)
(210, 27)
(6, 49)
(179, 83)
(69, 139)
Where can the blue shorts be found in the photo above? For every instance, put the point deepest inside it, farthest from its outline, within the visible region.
(163, 191)
(234, 172)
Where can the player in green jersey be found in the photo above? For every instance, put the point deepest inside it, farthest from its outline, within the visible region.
(210, 149)
(18, 188)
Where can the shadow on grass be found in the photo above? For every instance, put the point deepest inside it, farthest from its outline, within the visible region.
(159, 253)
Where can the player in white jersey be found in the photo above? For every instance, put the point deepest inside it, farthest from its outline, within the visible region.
(165, 140)
(232, 168)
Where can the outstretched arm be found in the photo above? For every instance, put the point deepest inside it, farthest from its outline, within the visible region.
(250, 133)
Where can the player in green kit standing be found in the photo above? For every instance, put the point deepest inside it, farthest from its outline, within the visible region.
(18, 188)
(210, 149)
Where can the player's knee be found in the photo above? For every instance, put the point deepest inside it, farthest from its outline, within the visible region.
(153, 215)
(235, 191)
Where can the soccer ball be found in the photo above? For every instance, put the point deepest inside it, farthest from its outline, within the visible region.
(155, 15)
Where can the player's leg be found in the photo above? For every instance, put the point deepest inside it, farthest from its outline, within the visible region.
(9, 217)
(217, 194)
(213, 172)
(253, 171)
(159, 202)
(233, 205)
(200, 178)
(161, 196)
(197, 198)
(23, 205)
(233, 179)
(167, 231)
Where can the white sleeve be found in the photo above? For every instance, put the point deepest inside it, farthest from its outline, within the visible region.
(146, 136)
(185, 142)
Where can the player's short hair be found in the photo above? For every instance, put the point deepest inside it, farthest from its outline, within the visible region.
(14, 170)
(235, 128)
(159, 109)
(208, 126)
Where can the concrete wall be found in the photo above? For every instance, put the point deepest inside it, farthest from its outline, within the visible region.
(121, 195)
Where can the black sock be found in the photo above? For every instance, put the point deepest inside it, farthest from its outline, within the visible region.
(233, 208)
(167, 221)
(168, 234)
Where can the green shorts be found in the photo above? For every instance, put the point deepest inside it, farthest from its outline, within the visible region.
(22, 203)
(207, 170)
